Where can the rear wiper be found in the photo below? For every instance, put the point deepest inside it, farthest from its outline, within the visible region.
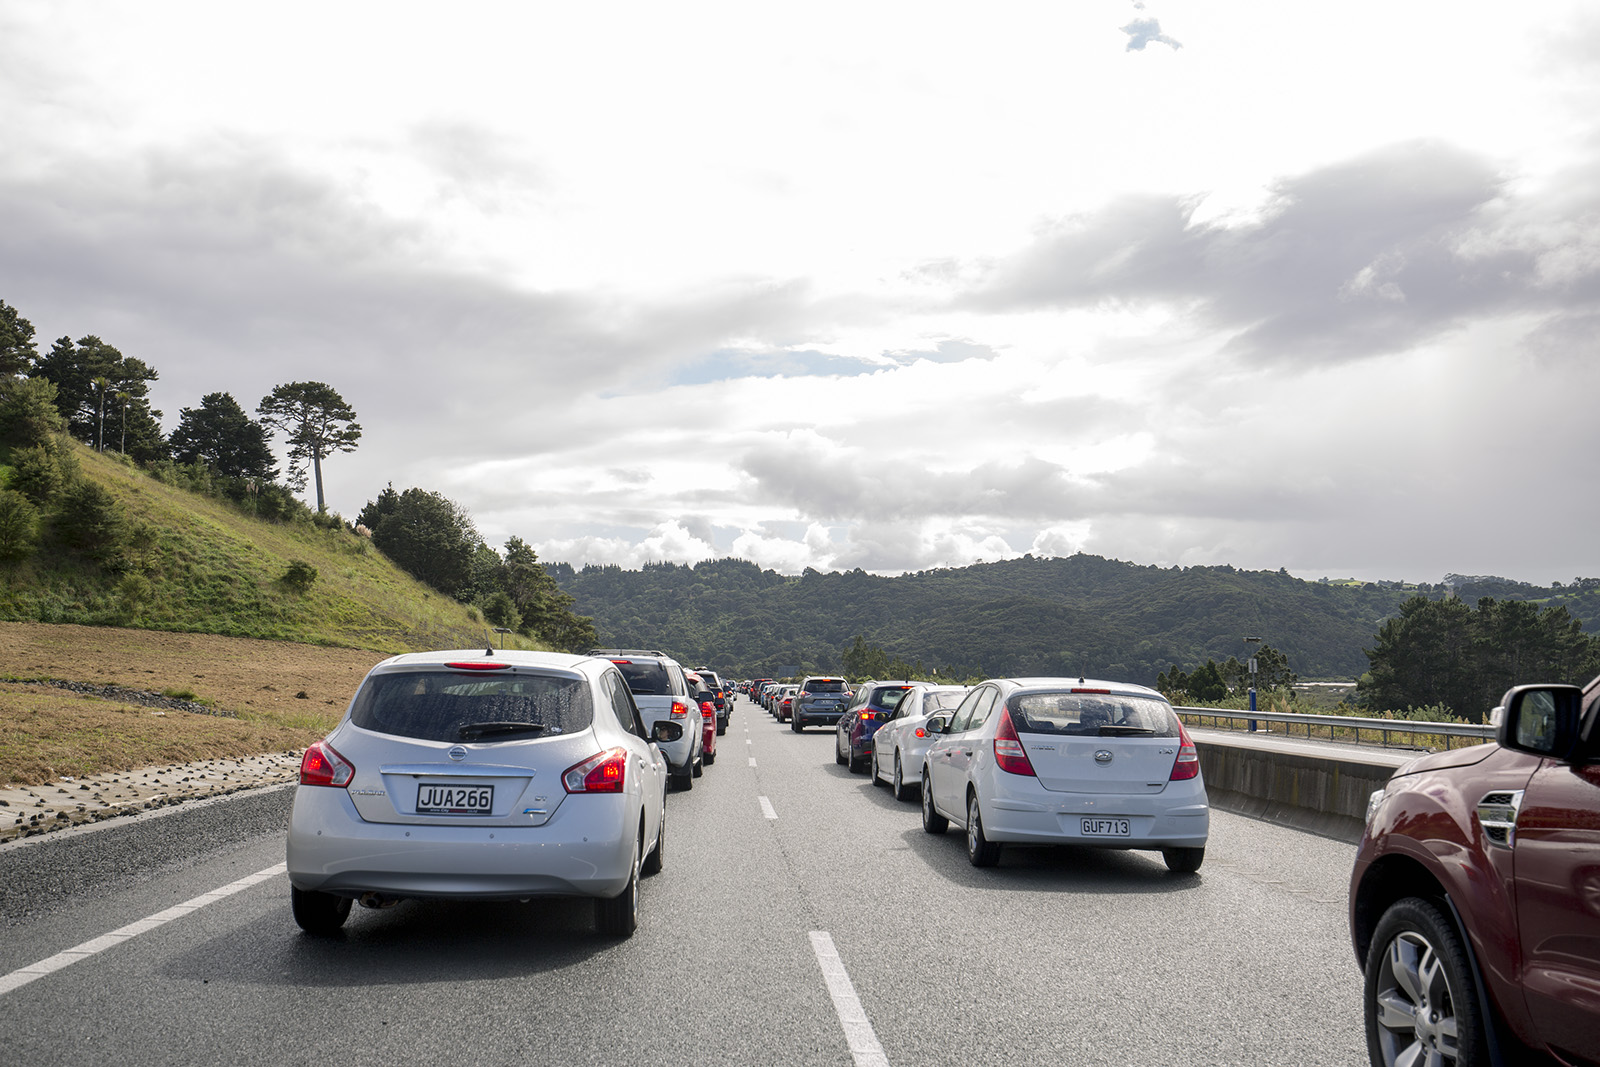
(1108, 730)
(472, 731)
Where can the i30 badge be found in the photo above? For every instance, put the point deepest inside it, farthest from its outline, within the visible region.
(457, 754)
(1102, 755)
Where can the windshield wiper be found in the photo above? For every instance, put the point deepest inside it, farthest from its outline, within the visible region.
(473, 731)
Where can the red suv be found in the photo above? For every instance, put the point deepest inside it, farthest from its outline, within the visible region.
(1475, 899)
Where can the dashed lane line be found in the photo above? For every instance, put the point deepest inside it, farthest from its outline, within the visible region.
(858, 1032)
(23, 975)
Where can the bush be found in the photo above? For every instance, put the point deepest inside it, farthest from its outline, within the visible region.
(300, 576)
(19, 527)
(38, 473)
(89, 520)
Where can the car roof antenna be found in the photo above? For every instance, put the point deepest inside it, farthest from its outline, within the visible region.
(489, 651)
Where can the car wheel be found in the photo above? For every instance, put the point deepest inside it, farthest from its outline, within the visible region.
(722, 728)
(318, 913)
(709, 758)
(657, 859)
(980, 850)
(619, 916)
(857, 763)
(683, 779)
(795, 726)
(1183, 860)
(1420, 999)
(902, 791)
(698, 767)
(932, 821)
(838, 751)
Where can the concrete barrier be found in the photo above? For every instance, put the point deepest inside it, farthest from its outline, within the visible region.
(1318, 787)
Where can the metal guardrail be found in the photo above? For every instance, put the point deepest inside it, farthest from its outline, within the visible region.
(1354, 726)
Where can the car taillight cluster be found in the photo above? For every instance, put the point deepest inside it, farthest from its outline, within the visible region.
(707, 708)
(1187, 765)
(866, 716)
(603, 773)
(680, 707)
(1009, 754)
(321, 765)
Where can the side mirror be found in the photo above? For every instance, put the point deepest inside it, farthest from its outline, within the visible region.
(666, 732)
(1540, 719)
(939, 724)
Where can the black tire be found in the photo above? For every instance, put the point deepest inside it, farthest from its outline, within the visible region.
(932, 821)
(1184, 860)
(316, 913)
(857, 763)
(838, 751)
(902, 790)
(657, 859)
(872, 769)
(980, 850)
(697, 767)
(1419, 988)
(794, 725)
(709, 758)
(619, 916)
(682, 780)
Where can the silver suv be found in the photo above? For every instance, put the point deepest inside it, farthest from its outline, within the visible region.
(662, 695)
(820, 701)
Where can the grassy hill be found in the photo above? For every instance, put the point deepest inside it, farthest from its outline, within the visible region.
(196, 564)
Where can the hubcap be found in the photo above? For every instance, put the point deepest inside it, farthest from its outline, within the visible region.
(1415, 1012)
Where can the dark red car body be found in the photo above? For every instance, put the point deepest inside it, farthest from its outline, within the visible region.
(1502, 842)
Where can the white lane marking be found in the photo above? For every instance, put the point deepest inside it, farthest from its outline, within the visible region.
(766, 808)
(858, 1032)
(23, 975)
(752, 761)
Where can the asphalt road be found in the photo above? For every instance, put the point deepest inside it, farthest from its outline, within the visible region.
(836, 932)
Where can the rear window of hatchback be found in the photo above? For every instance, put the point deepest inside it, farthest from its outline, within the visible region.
(1092, 714)
(456, 706)
(825, 685)
(647, 677)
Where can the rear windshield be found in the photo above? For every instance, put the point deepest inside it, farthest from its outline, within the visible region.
(457, 706)
(646, 677)
(825, 685)
(1092, 713)
(889, 698)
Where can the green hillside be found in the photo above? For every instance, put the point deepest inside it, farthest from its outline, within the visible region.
(193, 563)
(1015, 617)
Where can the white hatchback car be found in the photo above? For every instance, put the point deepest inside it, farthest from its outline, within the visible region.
(901, 743)
(1059, 761)
(481, 775)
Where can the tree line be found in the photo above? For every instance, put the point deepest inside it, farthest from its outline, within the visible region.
(88, 390)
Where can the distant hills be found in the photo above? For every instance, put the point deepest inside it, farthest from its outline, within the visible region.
(1057, 616)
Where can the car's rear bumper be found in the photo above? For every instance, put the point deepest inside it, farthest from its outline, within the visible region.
(585, 849)
(1178, 817)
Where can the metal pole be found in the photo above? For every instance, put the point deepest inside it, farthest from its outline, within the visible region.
(1252, 722)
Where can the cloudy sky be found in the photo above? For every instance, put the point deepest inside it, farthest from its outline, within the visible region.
(880, 285)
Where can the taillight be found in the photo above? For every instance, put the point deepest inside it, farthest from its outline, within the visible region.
(321, 765)
(680, 707)
(707, 708)
(479, 665)
(1008, 752)
(1187, 765)
(866, 715)
(920, 732)
(803, 693)
(604, 773)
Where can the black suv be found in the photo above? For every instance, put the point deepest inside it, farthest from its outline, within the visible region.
(722, 696)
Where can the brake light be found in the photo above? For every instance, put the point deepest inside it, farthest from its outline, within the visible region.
(920, 732)
(1187, 765)
(803, 693)
(680, 707)
(1009, 754)
(865, 716)
(321, 765)
(603, 773)
(707, 708)
(479, 665)
(1100, 692)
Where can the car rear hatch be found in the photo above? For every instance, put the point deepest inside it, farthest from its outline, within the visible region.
(434, 745)
(1096, 741)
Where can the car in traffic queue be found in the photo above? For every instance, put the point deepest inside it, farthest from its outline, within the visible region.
(870, 708)
(723, 696)
(901, 743)
(1475, 894)
(783, 702)
(819, 701)
(701, 692)
(1059, 761)
(473, 775)
(662, 693)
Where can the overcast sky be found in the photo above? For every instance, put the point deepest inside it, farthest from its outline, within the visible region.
(891, 286)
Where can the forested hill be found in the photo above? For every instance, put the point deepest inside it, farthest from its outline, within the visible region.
(1022, 616)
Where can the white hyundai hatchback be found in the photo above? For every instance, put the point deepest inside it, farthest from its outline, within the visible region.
(481, 775)
(1058, 761)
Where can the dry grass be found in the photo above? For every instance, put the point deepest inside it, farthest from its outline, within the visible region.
(283, 697)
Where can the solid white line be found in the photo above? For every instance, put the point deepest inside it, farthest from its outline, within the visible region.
(766, 808)
(858, 1032)
(23, 975)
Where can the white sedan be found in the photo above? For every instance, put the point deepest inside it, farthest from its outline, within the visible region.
(1059, 761)
(481, 775)
(901, 743)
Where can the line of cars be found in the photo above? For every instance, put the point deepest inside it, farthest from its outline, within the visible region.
(1027, 761)
(500, 775)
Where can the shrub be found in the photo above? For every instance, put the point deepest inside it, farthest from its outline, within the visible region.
(19, 527)
(89, 520)
(300, 576)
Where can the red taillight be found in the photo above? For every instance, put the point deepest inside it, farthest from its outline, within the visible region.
(680, 707)
(1187, 765)
(866, 716)
(1101, 692)
(1009, 755)
(605, 773)
(707, 708)
(803, 693)
(920, 732)
(321, 765)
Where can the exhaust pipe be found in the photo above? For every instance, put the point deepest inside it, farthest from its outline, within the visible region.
(377, 901)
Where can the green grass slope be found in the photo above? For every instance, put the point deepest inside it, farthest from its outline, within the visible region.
(203, 567)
